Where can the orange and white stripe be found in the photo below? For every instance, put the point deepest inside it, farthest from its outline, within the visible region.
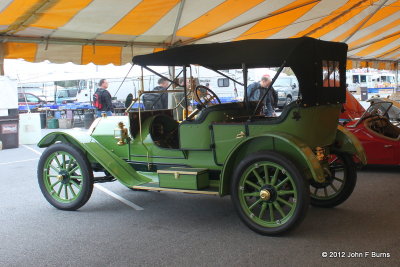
(104, 31)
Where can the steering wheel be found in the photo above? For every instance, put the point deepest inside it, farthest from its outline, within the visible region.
(206, 96)
(380, 124)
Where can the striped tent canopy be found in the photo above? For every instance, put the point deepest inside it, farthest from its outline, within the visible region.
(113, 31)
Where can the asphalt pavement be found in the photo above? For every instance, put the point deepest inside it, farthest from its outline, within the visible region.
(176, 229)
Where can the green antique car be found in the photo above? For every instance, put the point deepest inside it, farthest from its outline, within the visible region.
(272, 167)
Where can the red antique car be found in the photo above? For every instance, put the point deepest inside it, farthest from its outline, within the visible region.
(379, 136)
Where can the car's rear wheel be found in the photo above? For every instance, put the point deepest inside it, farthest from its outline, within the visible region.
(269, 193)
(339, 185)
(65, 176)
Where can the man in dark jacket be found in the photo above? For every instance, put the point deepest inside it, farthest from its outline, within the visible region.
(105, 98)
(157, 101)
(257, 89)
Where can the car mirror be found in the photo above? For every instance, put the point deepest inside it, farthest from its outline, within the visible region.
(294, 86)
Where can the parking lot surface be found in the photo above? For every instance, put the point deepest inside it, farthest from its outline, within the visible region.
(175, 229)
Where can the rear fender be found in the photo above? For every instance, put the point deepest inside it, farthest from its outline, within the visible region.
(96, 152)
(347, 142)
(284, 143)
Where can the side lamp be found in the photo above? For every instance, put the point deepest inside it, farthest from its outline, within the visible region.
(121, 134)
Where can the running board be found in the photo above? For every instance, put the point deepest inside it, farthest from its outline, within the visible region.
(104, 179)
(152, 188)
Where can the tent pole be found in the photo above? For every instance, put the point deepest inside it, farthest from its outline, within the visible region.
(30, 16)
(72, 41)
(365, 21)
(185, 117)
(251, 21)
(375, 41)
(337, 17)
(2, 59)
(178, 20)
(389, 52)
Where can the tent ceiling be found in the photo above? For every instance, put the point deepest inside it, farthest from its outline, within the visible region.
(103, 31)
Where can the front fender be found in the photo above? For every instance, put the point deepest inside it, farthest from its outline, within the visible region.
(284, 143)
(53, 137)
(347, 142)
(118, 168)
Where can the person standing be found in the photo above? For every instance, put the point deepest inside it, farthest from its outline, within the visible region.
(257, 89)
(102, 99)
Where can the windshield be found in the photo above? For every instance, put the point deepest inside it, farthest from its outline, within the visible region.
(379, 108)
(394, 111)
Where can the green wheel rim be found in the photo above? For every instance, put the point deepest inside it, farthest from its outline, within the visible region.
(336, 183)
(267, 194)
(62, 176)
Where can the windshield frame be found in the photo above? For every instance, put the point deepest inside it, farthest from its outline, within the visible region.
(369, 111)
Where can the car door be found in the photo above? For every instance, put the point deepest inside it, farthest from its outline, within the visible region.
(379, 150)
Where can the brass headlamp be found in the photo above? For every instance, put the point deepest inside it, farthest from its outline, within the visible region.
(121, 133)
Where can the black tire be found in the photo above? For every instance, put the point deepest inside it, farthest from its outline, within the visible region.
(245, 182)
(340, 183)
(74, 177)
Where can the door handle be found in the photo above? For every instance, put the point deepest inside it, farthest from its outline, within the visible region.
(387, 146)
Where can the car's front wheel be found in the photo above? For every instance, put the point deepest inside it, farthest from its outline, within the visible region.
(65, 176)
(269, 193)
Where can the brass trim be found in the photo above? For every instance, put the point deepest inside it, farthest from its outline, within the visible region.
(179, 172)
(240, 135)
(175, 190)
(320, 153)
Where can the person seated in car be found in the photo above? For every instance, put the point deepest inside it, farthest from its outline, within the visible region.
(159, 100)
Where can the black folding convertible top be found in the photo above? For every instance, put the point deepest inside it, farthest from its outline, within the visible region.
(304, 55)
